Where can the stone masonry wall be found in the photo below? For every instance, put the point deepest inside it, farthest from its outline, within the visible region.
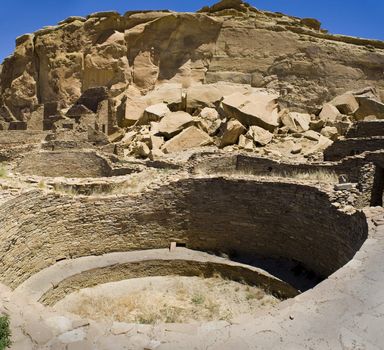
(235, 217)
(67, 164)
(250, 165)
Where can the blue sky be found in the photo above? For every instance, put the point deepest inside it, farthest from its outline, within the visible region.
(350, 17)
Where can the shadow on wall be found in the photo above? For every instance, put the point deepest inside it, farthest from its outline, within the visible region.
(168, 43)
(216, 215)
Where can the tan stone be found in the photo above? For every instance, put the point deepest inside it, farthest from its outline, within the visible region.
(189, 138)
(233, 130)
(134, 110)
(346, 103)
(209, 120)
(369, 106)
(330, 132)
(296, 148)
(155, 112)
(246, 143)
(329, 112)
(173, 123)
(296, 122)
(156, 142)
(145, 72)
(259, 135)
(258, 109)
(312, 135)
(321, 145)
(142, 150)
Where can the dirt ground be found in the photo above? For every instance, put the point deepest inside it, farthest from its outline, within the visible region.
(170, 299)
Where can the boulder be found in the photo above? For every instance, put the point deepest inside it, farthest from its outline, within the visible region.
(296, 122)
(134, 110)
(259, 135)
(128, 138)
(188, 138)
(173, 123)
(346, 103)
(255, 108)
(329, 112)
(296, 148)
(321, 145)
(369, 106)
(246, 143)
(316, 124)
(155, 113)
(210, 95)
(142, 150)
(209, 120)
(168, 93)
(330, 132)
(233, 130)
(156, 142)
(312, 135)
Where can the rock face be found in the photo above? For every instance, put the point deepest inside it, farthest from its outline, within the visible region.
(229, 41)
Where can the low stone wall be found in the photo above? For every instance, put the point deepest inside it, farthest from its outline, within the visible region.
(149, 268)
(65, 164)
(242, 164)
(366, 129)
(349, 147)
(11, 137)
(232, 216)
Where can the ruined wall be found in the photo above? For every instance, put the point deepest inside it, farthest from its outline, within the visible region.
(66, 164)
(366, 129)
(8, 138)
(242, 164)
(235, 217)
(147, 268)
(350, 147)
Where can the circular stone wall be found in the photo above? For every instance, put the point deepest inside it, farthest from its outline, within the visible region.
(218, 215)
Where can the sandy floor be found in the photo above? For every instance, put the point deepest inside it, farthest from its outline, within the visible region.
(171, 299)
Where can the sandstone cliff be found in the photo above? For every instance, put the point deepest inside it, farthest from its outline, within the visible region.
(133, 53)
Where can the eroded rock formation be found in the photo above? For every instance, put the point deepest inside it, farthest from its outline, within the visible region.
(133, 53)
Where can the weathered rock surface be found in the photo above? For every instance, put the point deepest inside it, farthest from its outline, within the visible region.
(173, 123)
(233, 130)
(209, 120)
(296, 122)
(258, 109)
(189, 138)
(230, 41)
(259, 135)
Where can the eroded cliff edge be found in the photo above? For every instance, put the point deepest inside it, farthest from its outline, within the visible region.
(130, 54)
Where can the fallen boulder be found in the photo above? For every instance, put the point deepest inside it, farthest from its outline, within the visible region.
(296, 122)
(259, 135)
(233, 130)
(330, 132)
(155, 112)
(254, 108)
(188, 138)
(346, 103)
(173, 123)
(209, 120)
(329, 113)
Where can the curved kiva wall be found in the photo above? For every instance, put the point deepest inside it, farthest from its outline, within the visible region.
(232, 216)
(65, 164)
(119, 272)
